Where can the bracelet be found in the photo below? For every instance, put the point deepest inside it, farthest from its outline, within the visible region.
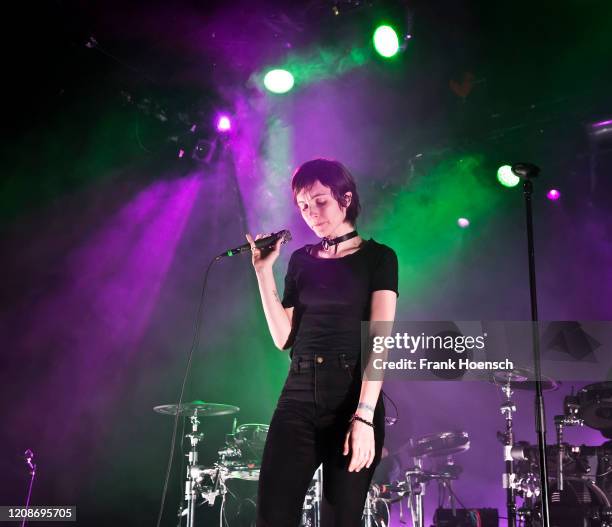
(355, 417)
(366, 406)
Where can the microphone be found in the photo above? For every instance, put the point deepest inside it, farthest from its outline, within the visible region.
(28, 455)
(262, 243)
(525, 170)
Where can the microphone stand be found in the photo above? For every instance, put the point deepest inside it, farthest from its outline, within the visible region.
(29, 456)
(527, 172)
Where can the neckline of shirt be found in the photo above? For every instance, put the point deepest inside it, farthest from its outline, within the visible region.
(363, 245)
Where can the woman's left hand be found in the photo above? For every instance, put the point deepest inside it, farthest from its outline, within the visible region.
(360, 440)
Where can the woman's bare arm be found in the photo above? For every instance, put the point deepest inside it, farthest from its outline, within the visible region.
(278, 317)
(382, 309)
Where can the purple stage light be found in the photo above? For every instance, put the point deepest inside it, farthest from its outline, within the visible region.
(463, 223)
(601, 128)
(224, 124)
(553, 194)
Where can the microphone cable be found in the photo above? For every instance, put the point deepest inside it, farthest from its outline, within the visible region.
(197, 327)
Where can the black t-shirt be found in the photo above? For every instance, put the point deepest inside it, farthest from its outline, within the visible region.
(331, 297)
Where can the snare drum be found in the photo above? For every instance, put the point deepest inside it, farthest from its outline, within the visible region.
(245, 449)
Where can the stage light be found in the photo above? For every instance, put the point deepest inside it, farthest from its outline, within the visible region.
(223, 123)
(553, 194)
(506, 177)
(463, 223)
(278, 81)
(204, 150)
(386, 41)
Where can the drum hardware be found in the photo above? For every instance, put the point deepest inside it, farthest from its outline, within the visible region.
(523, 379)
(513, 483)
(311, 510)
(578, 495)
(435, 447)
(376, 512)
(595, 403)
(193, 411)
(416, 487)
(562, 421)
(191, 490)
(510, 482)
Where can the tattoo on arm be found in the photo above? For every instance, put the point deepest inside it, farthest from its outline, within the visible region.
(366, 406)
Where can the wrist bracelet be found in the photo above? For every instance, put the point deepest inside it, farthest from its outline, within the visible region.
(355, 417)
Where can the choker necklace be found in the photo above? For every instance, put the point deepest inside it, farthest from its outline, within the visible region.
(326, 243)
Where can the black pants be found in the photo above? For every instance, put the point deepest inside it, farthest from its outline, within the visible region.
(305, 433)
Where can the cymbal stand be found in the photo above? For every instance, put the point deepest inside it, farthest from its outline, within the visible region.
(191, 493)
(445, 473)
(29, 456)
(570, 418)
(507, 408)
(367, 511)
(415, 480)
(311, 511)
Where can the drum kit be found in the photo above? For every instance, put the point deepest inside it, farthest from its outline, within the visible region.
(580, 496)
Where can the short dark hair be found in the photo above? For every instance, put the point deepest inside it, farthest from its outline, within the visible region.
(332, 174)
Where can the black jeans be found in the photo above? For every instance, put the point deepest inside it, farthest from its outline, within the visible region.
(307, 432)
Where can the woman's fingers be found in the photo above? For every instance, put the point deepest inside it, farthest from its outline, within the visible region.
(354, 460)
(370, 459)
(361, 461)
(345, 449)
(363, 453)
(357, 458)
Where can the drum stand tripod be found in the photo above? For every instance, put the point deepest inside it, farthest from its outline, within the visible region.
(507, 408)
(191, 492)
(415, 480)
(311, 512)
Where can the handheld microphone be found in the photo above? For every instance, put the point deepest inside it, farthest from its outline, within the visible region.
(262, 243)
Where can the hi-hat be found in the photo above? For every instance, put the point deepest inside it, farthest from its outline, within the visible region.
(523, 379)
(197, 408)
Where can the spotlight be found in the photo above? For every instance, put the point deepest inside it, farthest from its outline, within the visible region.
(507, 177)
(223, 123)
(204, 150)
(278, 81)
(463, 223)
(601, 128)
(386, 41)
(553, 194)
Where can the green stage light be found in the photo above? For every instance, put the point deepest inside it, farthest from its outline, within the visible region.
(386, 41)
(278, 81)
(506, 177)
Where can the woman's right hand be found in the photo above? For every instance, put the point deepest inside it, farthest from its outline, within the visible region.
(263, 259)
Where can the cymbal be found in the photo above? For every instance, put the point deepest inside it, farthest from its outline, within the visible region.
(523, 379)
(199, 408)
(436, 445)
